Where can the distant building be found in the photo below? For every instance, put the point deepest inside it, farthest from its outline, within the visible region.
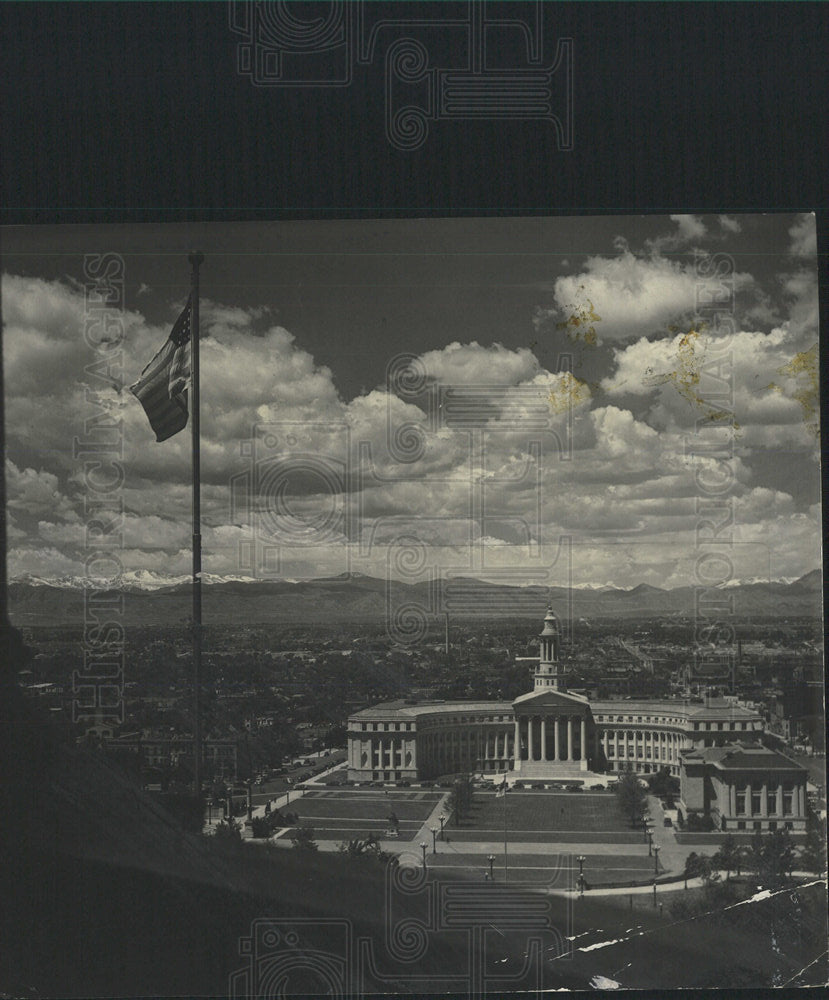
(744, 786)
(161, 751)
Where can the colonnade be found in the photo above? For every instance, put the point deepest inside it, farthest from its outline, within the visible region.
(551, 737)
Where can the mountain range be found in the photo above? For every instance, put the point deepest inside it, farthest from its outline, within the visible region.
(363, 599)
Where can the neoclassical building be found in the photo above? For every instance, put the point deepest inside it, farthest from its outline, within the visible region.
(744, 787)
(547, 733)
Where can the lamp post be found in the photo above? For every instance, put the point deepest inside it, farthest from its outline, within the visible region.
(491, 860)
(655, 860)
(650, 840)
(581, 859)
(423, 851)
(442, 819)
(434, 835)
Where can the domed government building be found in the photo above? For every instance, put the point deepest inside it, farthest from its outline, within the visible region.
(555, 735)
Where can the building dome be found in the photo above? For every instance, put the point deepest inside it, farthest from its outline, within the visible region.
(551, 626)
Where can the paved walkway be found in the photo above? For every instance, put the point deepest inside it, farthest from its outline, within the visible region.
(672, 855)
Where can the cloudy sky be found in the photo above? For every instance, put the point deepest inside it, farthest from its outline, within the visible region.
(527, 400)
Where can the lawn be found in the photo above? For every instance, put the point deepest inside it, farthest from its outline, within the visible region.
(341, 815)
(548, 813)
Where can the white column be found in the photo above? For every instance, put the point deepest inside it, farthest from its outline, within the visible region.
(543, 738)
(732, 799)
(556, 736)
(516, 751)
(530, 738)
(569, 737)
(764, 800)
(583, 738)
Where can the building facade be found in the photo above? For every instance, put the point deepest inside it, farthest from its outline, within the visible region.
(744, 787)
(547, 733)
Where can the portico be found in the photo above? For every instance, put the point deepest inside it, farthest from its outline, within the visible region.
(551, 734)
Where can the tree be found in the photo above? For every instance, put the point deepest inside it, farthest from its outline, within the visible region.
(228, 833)
(813, 856)
(460, 799)
(303, 838)
(697, 866)
(631, 797)
(772, 858)
(663, 783)
(728, 856)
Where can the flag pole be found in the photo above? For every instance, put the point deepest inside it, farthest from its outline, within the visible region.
(505, 825)
(196, 260)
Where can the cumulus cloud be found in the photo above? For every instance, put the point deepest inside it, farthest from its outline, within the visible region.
(708, 378)
(473, 364)
(630, 295)
(36, 492)
(729, 224)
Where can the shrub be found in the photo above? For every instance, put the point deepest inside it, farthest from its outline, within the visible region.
(228, 833)
(260, 827)
(303, 838)
(368, 849)
(699, 823)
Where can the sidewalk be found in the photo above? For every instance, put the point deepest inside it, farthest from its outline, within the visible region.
(278, 803)
(672, 856)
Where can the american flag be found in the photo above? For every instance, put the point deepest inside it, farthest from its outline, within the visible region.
(162, 387)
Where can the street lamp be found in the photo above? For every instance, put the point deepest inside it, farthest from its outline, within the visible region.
(423, 850)
(434, 834)
(442, 819)
(581, 859)
(650, 840)
(491, 860)
(656, 859)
